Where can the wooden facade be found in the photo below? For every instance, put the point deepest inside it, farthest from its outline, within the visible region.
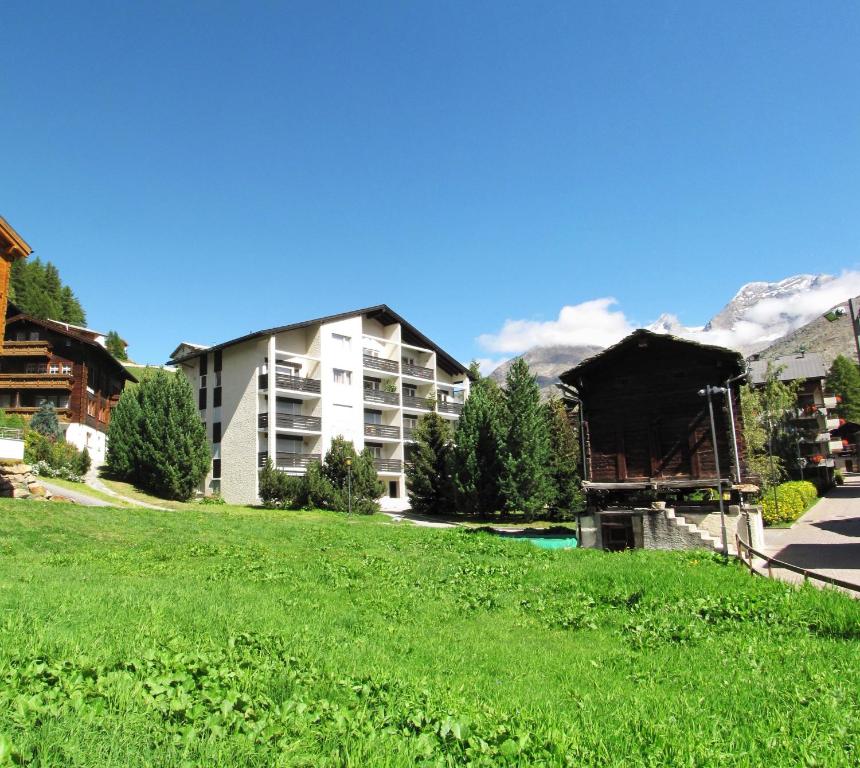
(644, 423)
(46, 361)
(12, 248)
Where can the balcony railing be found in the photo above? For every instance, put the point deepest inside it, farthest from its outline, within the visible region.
(381, 364)
(417, 371)
(35, 381)
(293, 383)
(450, 407)
(289, 460)
(388, 465)
(29, 410)
(26, 349)
(381, 396)
(380, 430)
(292, 421)
(421, 403)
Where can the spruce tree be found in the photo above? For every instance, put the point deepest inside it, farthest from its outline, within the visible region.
(478, 446)
(46, 423)
(526, 483)
(843, 379)
(564, 459)
(114, 345)
(359, 479)
(428, 477)
(162, 443)
(38, 290)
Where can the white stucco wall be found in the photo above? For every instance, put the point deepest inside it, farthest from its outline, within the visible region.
(81, 436)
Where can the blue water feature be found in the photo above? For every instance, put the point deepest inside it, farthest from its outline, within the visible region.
(551, 543)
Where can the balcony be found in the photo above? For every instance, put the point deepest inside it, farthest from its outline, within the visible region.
(63, 414)
(292, 421)
(380, 364)
(289, 460)
(381, 397)
(450, 407)
(35, 381)
(417, 371)
(380, 430)
(292, 383)
(26, 349)
(409, 433)
(388, 465)
(419, 403)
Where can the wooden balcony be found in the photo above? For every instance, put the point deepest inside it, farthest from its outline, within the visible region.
(35, 381)
(63, 414)
(450, 407)
(381, 364)
(419, 403)
(381, 396)
(388, 465)
(25, 349)
(292, 383)
(380, 430)
(417, 371)
(289, 460)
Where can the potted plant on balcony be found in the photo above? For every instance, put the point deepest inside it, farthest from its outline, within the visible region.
(389, 385)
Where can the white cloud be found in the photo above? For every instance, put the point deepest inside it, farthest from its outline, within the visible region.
(592, 322)
(488, 365)
(601, 323)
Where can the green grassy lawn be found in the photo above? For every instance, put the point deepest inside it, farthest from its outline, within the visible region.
(224, 636)
(132, 492)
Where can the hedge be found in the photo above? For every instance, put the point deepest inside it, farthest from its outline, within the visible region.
(794, 499)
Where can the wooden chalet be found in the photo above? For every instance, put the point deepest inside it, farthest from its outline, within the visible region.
(12, 248)
(48, 361)
(645, 429)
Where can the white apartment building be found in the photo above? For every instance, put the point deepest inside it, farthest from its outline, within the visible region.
(287, 392)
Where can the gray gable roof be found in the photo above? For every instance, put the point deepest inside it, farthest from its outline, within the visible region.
(809, 365)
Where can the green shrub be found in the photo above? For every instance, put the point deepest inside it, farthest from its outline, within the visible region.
(793, 499)
(37, 448)
(46, 423)
(838, 477)
(213, 500)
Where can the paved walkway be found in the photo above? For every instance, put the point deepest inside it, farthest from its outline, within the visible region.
(94, 481)
(826, 539)
(77, 496)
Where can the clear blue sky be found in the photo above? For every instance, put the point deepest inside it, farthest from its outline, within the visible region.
(200, 170)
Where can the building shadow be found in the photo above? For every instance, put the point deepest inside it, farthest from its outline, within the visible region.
(844, 492)
(815, 557)
(849, 527)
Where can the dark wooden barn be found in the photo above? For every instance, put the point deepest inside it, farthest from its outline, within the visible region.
(645, 426)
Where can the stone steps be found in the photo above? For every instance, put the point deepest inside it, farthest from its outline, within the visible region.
(708, 541)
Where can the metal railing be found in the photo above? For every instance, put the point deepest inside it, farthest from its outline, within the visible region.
(294, 383)
(450, 407)
(418, 371)
(380, 430)
(746, 554)
(286, 460)
(10, 433)
(422, 403)
(381, 396)
(381, 364)
(292, 421)
(387, 465)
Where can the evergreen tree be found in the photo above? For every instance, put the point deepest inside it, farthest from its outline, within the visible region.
(114, 345)
(124, 435)
(428, 477)
(478, 446)
(526, 484)
(359, 479)
(38, 290)
(161, 443)
(843, 379)
(46, 423)
(564, 458)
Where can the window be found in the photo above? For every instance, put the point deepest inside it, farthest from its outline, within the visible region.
(372, 384)
(290, 406)
(372, 417)
(54, 368)
(216, 362)
(216, 432)
(341, 342)
(34, 335)
(203, 381)
(290, 445)
(217, 378)
(408, 360)
(442, 396)
(410, 390)
(393, 489)
(410, 421)
(375, 450)
(341, 376)
(203, 370)
(371, 352)
(201, 400)
(67, 369)
(20, 336)
(216, 469)
(216, 397)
